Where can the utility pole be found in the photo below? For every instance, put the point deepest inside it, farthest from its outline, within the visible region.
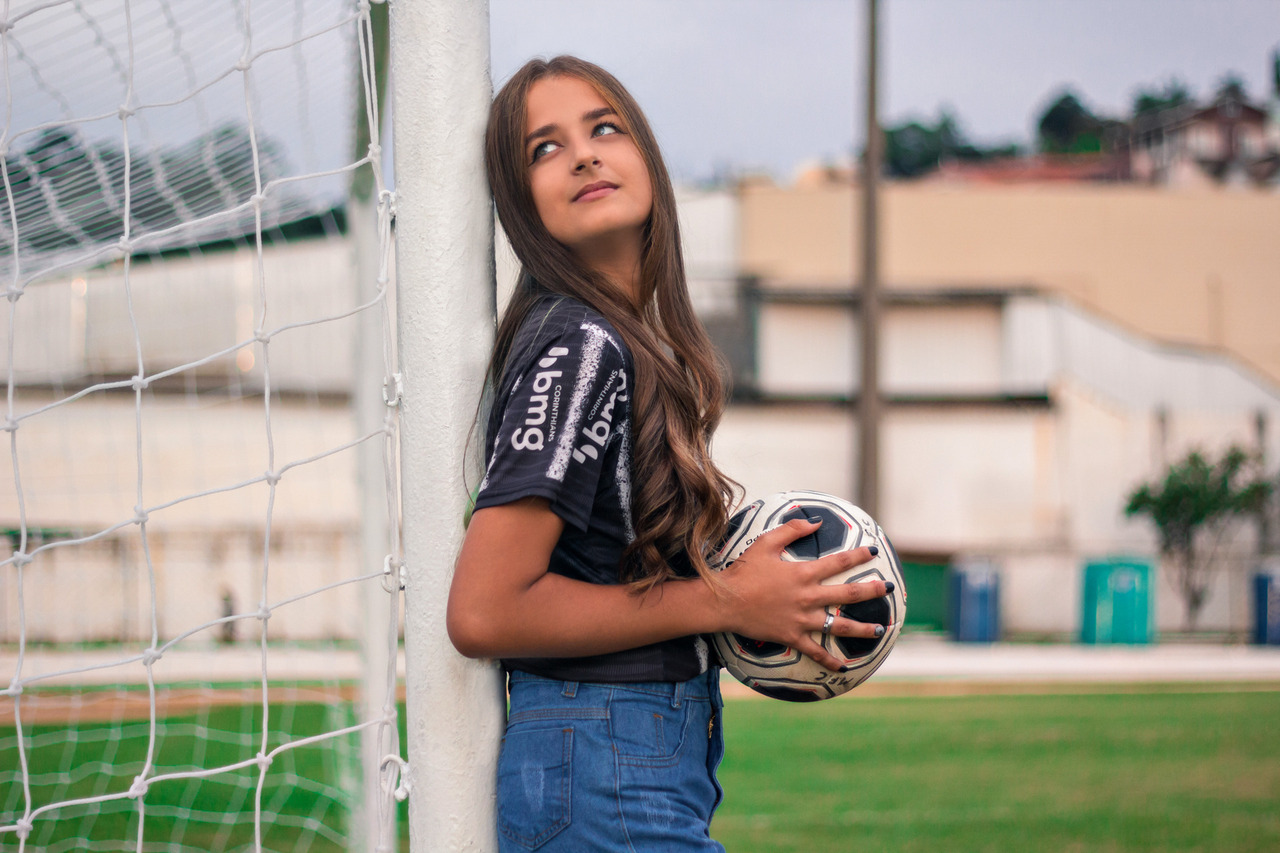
(869, 391)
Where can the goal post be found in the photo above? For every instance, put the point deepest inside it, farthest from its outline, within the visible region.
(445, 304)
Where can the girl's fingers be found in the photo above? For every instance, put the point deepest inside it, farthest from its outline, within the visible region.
(821, 656)
(852, 593)
(834, 564)
(840, 627)
(843, 627)
(776, 540)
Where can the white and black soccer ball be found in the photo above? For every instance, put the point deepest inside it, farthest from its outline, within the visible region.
(781, 672)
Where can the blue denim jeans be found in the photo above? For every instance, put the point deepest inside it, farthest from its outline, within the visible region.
(610, 767)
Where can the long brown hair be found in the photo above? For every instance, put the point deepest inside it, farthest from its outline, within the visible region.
(681, 499)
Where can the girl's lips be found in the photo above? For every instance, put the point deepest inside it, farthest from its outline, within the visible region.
(590, 192)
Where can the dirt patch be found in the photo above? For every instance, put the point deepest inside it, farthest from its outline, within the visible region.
(61, 707)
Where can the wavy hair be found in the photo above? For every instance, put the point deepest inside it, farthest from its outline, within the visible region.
(681, 499)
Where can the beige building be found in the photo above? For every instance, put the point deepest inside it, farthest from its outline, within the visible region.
(1195, 268)
(1044, 349)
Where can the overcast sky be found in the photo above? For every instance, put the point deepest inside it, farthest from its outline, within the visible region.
(768, 84)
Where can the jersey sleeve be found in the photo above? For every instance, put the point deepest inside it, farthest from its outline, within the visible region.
(557, 424)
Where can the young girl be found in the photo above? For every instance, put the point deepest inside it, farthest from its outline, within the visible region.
(585, 563)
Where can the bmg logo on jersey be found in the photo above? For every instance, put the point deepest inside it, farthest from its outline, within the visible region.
(598, 431)
(531, 435)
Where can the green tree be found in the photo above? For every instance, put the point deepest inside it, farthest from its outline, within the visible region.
(1193, 508)
(1173, 94)
(1068, 127)
(915, 148)
(1232, 88)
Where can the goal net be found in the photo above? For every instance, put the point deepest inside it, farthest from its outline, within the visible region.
(199, 602)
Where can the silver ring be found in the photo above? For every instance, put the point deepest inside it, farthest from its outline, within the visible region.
(826, 626)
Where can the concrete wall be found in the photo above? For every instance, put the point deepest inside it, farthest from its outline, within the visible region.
(185, 453)
(1184, 267)
(813, 349)
(186, 309)
(205, 539)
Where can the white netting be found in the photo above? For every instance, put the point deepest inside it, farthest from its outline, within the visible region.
(187, 613)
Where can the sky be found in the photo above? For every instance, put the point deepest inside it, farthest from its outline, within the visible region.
(768, 85)
(730, 86)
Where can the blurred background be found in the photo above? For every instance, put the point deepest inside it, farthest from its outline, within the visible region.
(1080, 276)
(1076, 286)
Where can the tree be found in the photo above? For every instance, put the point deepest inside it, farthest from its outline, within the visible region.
(1149, 101)
(1232, 88)
(1193, 508)
(1068, 127)
(69, 191)
(916, 148)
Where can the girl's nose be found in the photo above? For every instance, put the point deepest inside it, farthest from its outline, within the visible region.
(585, 155)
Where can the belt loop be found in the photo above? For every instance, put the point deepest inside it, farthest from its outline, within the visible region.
(570, 689)
(677, 694)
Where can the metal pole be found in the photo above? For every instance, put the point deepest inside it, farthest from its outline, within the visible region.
(869, 391)
(445, 284)
(375, 821)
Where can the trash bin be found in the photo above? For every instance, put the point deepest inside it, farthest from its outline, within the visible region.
(974, 605)
(1117, 602)
(1266, 609)
(929, 592)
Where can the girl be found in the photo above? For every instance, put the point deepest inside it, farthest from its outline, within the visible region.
(584, 567)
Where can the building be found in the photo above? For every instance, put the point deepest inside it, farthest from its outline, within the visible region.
(1226, 142)
(1044, 350)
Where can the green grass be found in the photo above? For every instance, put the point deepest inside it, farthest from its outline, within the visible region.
(307, 791)
(1100, 773)
(1143, 771)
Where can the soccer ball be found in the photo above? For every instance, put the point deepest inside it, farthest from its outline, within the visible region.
(781, 672)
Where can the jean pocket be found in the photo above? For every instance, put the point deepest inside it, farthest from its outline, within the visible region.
(647, 730)
(534, 775)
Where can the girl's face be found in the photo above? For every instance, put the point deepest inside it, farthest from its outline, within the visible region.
(589, 181)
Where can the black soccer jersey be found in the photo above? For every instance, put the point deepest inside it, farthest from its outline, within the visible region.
(560, 428)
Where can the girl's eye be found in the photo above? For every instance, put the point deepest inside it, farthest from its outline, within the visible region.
(542, 148)
(605, 128)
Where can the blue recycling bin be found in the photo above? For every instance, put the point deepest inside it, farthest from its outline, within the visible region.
(974, 603)
(1266, 609)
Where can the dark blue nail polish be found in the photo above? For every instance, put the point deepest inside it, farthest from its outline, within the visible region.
(874, 551)
(879, 631)
(889, 587)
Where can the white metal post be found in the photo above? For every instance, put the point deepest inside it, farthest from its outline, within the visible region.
(374, 823)
(445, 284)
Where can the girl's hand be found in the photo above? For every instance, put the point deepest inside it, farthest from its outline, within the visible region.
(782, 601)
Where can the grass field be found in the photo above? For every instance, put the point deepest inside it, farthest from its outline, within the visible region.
(1158, 770)
(307, 793)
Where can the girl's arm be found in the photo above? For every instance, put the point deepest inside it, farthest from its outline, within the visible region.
(504, 603)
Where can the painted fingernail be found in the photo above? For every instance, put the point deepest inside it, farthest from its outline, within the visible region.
(889, 587)
(879, 631)
(874, 551)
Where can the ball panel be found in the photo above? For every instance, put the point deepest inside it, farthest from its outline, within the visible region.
(827, 539)
(739, 528)
(875, 611)
(762, 648)
(790, 692)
